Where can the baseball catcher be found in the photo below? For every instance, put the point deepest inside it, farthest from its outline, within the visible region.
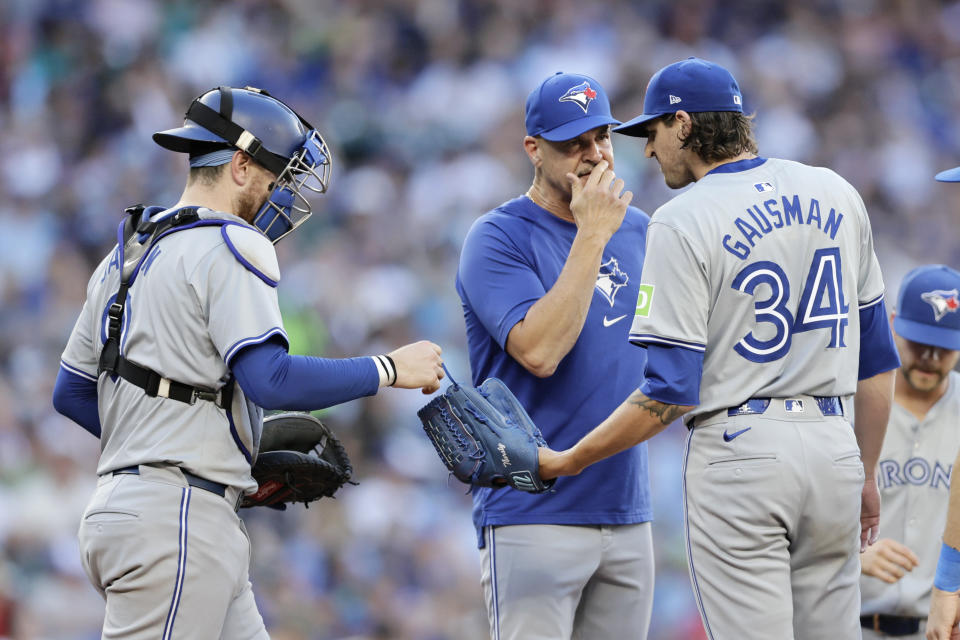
(300, 460)
(485, 437)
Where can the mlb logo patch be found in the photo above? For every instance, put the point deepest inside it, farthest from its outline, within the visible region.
(793, 406)
(763, 187)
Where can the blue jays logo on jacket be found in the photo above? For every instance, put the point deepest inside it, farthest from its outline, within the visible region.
(581, 95)
(611, 279)
(943, 302)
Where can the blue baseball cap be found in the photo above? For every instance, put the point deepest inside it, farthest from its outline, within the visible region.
(950, 175)
(566, 105)
(693, 85)
(928, 307)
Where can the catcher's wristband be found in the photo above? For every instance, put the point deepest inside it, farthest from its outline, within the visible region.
(948, 569)
(386, 369)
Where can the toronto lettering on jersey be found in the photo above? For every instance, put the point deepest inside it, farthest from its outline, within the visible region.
(773, 214)
(113, 264)
(915, 471)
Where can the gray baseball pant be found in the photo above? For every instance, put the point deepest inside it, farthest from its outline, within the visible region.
(172, 561)
(566, 582)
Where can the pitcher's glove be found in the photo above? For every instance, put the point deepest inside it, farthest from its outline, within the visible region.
(485, 437)
(300, 460)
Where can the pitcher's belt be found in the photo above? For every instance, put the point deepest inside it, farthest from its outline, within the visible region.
(891, 625)
(828, 405)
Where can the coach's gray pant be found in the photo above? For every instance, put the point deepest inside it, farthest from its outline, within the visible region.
(562, 582)
(773, 524)
(172, 561)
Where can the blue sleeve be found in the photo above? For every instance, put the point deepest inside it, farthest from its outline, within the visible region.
(878, 353)
(274, 379)
(673, 375)
(497, 280)
(76, 397)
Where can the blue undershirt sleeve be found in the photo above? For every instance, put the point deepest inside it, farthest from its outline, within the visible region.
(76, 397)
(274, 379)
(878, 353)
(672, 375)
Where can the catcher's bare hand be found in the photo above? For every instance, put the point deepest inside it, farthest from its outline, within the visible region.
(888, 560)
(598, 202)
(869, 513)
(944, 615)
(418, 366)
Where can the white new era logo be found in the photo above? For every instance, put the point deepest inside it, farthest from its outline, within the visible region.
(674, 99)
(736, 99)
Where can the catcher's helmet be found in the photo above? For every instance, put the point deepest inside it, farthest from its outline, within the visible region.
(273, 134)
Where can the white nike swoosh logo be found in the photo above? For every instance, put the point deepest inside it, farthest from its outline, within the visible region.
(607, 322)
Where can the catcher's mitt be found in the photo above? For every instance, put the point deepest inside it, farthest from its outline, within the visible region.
(485, 437)
(300, 460)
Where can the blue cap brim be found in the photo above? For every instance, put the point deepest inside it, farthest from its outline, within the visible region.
(637, 127)
(950, 175)
(574, 128)
(943, 337)
(183, 139)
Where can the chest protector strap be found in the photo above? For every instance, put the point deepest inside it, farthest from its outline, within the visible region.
(137, 238)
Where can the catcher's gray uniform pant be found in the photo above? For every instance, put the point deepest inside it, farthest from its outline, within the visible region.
(773, 524)
(171, 560)
(560, 582)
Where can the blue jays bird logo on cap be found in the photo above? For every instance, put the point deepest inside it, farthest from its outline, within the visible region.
(943, 302)
(581, 95)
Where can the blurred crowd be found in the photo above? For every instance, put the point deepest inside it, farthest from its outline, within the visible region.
(422, 103)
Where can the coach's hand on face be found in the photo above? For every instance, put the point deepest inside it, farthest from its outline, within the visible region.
(598, 202)
(418, 366)
(887, 560)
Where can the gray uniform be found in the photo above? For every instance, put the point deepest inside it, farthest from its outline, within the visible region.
(914, 476)
(170, 557)
(762, 267)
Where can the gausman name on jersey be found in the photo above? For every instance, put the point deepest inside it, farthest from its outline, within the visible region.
(770, 215)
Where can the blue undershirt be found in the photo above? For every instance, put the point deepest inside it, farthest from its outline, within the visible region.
(673, 374)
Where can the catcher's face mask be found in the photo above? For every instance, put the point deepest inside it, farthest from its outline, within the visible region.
(287, 207)
(273, 134)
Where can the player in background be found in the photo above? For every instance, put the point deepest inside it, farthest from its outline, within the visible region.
(150, 368)
(922, 438)
(945, 597)
(548, 281)
(760, 285)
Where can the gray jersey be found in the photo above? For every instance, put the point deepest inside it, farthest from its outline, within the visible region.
(763, 271)
(191, 307)
(914, 475)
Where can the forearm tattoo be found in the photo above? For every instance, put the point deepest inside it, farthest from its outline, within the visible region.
(665, 413)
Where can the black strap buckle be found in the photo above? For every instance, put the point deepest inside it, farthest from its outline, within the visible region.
(203, 394)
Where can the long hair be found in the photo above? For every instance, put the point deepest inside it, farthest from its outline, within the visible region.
(718, 135)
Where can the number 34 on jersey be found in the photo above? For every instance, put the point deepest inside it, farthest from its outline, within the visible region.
(822, 305)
